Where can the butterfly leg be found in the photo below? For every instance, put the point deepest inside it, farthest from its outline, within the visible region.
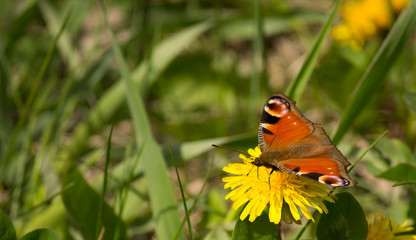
(270, 174)
(258, 172)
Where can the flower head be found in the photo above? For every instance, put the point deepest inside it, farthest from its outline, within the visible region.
(362, 19)
(284, 192)
(384, 228)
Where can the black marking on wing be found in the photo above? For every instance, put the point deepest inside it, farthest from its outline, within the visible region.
(331, 181)
(266, 131)
(312, 175)
(267, 118)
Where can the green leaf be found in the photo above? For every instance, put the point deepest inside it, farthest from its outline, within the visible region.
(374, 77)
(345, 220)
(410, 100)
(81, 202)
(260, 229)
(299, 83)
(7, 231)
(395, 151)
(42, 234)
(52, 217)
(401, 172)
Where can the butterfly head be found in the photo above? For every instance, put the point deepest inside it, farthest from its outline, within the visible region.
(266, 159)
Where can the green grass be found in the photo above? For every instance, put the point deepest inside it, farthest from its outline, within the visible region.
(81, 78)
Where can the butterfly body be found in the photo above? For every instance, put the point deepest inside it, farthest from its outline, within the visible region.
(290, 142)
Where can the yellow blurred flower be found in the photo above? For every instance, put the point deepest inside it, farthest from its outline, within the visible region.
(384, 228)
(284, 192)
(362, 19)
(399, 5)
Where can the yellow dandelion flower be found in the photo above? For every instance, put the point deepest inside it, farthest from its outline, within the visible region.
(284, 192)
(384, 228)
(377, 12)
(363, 19)
(399, 5)
(344, 35)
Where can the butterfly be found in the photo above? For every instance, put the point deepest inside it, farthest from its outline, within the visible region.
(290, 142)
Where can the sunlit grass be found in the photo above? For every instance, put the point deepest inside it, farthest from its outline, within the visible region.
(192, 73)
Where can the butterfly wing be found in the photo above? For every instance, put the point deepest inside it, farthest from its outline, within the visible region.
(323, 170)
(291, 142)
(282, 124)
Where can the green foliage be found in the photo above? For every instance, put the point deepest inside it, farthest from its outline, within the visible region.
(401, 172)
(192, 73)
(297, 86)
(7, 231)
(82, 204)
(261, 228)
(410, 100)
(345, 220)
(42, 234)
(160, 188)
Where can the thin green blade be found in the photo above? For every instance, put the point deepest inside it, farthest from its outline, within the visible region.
(374, 77)
(299, 83)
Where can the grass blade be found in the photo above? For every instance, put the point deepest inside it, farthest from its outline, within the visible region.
(189, 150)
(161, 193)
(297, 86)
(191, 235)
(367, 150)
(104, 190)
(33, 92)
(64, 45)
(196, 199)
(114, 98)
(6, 122)
(259, 63)
(375, 74)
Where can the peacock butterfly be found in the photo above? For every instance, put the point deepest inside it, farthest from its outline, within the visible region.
(290, 142)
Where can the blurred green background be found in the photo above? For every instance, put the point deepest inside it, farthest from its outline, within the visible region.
(185, 73)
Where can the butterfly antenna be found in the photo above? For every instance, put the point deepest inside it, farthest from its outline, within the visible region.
(230, 149)
(250, 170)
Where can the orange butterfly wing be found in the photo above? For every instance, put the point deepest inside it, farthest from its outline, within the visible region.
(291, 142)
